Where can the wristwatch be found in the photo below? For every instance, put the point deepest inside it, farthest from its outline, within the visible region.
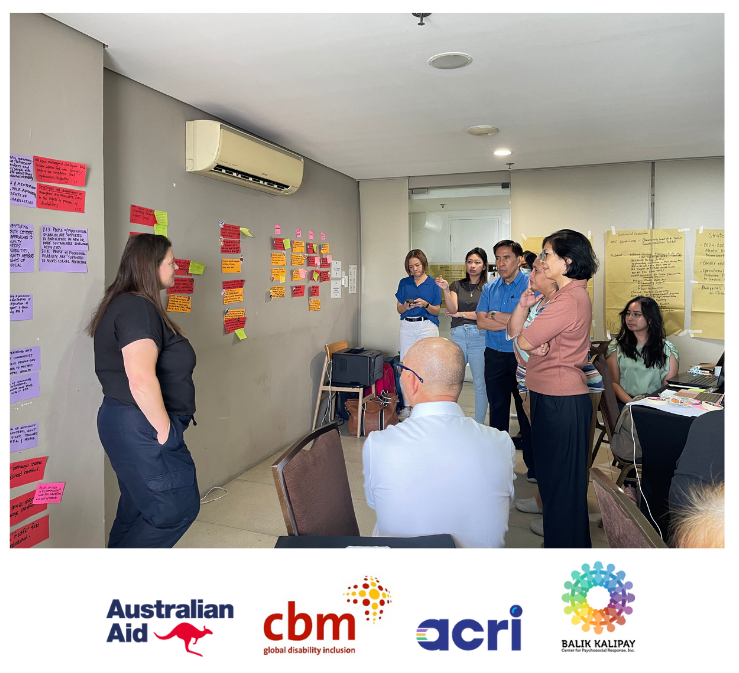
(492, 315)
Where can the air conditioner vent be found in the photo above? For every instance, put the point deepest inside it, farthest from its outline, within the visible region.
(251, 178)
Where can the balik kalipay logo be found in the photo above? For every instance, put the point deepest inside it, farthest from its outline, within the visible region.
(598, 599)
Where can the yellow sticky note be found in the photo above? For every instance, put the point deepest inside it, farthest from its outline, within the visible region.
(278, 259)
(278, 275)
(277, 291)
(233, 296)
(178, 303)
(161, 217)
(246, 232)
(297, 260)
(240, 333)
(196, 268)
(324, 248)
(296, 274)
(286, 243)
(314, 305)
(316, 275)
(160, 229)
(298, 246)
(231, 266)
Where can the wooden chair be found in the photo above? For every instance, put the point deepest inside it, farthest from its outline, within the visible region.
(625, 526)
(325, 386)
(313, 486)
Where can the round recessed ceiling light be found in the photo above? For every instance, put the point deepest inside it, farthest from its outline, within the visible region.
(502, 153)
(482, 130)
(450, 60)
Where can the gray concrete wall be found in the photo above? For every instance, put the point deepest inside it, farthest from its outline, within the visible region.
(56, 111)
(257, 396)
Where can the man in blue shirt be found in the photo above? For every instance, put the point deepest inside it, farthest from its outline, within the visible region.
(499, 297)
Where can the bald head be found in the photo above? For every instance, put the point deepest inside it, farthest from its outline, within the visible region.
(440, 363)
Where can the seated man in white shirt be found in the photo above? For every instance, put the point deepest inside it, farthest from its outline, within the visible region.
(439, 471)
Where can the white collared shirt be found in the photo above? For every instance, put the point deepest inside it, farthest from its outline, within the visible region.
(440, 471)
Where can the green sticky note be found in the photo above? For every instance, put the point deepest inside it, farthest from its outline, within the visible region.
(286, 242)
(160, 229)
(240, 333)
(196, 268)
(161, 216)
(246, 232)
(316, 275)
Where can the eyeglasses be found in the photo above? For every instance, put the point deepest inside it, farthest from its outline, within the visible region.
(630, 314)
(411, 371)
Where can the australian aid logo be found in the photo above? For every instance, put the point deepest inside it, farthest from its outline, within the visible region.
(187, 623)
(331, 626)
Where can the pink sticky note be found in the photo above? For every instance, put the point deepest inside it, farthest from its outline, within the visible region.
(277, 230)
(310, 235)
(46, 493)
(301, 273)
(329, 258)
(298, 233)
(323, 235)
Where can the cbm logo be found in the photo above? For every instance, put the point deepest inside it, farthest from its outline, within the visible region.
(494, 627)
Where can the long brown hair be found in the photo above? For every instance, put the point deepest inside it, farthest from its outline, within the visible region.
(138, 273)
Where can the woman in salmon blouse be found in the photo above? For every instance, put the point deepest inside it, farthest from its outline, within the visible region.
(561, 409)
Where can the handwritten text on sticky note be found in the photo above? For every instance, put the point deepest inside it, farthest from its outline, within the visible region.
(178, 303)
(49, 493)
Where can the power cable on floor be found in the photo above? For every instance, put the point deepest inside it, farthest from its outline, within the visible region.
(203, 500)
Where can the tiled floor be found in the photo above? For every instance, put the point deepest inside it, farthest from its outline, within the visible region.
(250, 515)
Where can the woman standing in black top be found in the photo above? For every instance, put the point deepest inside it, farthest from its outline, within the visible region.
(145, 364)
(461, 298)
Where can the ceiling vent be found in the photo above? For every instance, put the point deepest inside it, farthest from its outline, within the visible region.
(225, 153)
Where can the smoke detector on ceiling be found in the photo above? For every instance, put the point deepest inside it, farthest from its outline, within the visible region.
(450, 60)
(482, 130)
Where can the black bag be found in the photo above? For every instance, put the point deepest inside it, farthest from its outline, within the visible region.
(341, 412)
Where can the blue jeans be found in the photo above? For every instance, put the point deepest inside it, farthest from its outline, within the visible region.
(472, 342)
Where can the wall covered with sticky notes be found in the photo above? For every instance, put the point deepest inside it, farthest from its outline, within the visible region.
(237, 378)
(58, 262)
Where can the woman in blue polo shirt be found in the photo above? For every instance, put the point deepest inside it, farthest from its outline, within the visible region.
(418, 303)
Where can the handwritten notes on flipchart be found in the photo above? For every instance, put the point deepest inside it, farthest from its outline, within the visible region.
(59, 172)
(63, 249)
(648, 262)
(21, 306)
(23, 437)
(21, 167)
(707, 312)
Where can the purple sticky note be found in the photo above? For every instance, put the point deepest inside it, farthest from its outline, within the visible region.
(23, 437)
(21, 306)
(71, 259)
(22, 193)
(49, 493)
(24, 360)
(24, 387)
(21, 248)
(63, 237)
(21, 167)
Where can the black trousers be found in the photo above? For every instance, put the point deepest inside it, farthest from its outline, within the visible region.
(560, 434)
(159, 490)
(500, 383)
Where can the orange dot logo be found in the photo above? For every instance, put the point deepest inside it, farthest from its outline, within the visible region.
(370, 596)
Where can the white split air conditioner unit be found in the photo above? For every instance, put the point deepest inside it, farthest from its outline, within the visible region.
(225, 153)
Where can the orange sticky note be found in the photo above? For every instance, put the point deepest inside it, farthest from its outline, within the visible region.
(324, 248)
(314, 305)
(278, 259)
(233, 296)
(297, 260)
(230, 266)
(277, 291)
(178, 303)
(298, 246)
(296, 274)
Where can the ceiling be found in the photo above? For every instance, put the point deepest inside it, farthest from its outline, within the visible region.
(354, 91)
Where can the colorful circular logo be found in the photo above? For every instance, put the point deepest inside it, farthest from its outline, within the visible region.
(577, 598)
(371, 596)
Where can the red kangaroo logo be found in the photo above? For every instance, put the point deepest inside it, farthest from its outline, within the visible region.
(187, 632)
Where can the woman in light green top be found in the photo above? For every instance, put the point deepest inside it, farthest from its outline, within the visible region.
(640, 359)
